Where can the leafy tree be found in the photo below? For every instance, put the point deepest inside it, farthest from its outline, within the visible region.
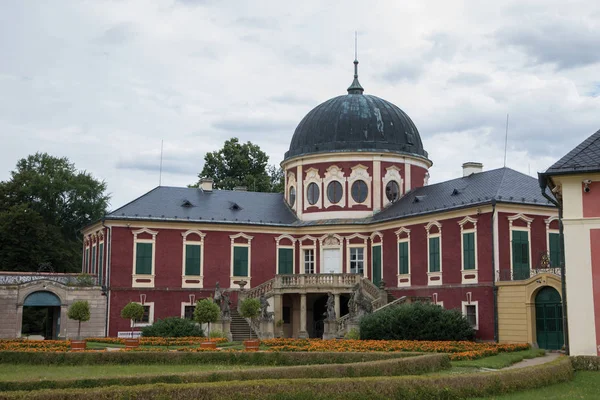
(133, 311)
(79, 311)
(277, 178)
(46, 197)
(250, 308)
(241, 164)
(206, 311)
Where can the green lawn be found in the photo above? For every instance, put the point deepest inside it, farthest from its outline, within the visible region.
(502, 360)
(586, 385)
(22, 372)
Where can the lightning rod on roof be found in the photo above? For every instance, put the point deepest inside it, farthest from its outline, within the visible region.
(161, 158)
(505, 140)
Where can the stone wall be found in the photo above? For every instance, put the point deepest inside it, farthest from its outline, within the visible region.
(8, 311)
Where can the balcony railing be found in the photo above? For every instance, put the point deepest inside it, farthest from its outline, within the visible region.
(521, 275)
(306, 281)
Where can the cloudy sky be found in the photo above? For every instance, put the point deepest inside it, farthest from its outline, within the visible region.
(103, 82)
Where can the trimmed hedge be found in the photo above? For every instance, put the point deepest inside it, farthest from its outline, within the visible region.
(212, 357)
(394, 367)
(435, 387)
(585, 363)
(172, 327)
(417, 321)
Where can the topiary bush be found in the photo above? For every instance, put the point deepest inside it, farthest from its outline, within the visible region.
(418, 321)
(172, 327)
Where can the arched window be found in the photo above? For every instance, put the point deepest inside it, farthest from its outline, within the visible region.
(313, 193)
(334, 192)
(360, 191)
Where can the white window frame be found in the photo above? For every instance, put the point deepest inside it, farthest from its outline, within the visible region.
(283, 246)
(312, 176)
(94, 255)
(469, 276)
(392, 174)
(430, 275)
(548, 221)
(373, 236)
(303, 248)
(100, 270)
(326, 242)
(399, 276)
(198, 242)
(464, 311)
(248, 244)
(87, 252)
(527, 229)
(136, 240)
(360, 173)
(150, 315)
(334, 173)
(362, 245)
(291, 183)
(185, 304)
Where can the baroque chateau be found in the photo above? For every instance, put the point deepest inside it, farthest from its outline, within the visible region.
(357, 214)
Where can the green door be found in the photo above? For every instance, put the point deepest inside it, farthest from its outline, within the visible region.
(376, 265)
(548, 319)
(520, 248)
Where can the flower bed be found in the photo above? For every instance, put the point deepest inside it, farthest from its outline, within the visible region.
(159, 341)
(34, 345)
(457, 350)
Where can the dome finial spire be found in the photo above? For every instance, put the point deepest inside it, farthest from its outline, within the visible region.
(355, 87)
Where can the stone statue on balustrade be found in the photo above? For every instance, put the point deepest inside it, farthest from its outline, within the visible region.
(225, 306)
(359, 304)
(330, 313)
(218, 295)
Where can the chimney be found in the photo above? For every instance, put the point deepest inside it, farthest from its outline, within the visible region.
(470, 168)
(206, 184)
(240, 189)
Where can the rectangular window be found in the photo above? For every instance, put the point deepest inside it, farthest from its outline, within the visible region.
(192, 259)
(309, 261)
(240, 261)
(143, 258)
(434, 254)
(86, 264)
(188, 312)
(376, 277)
(100, 262)
(469, 250)
(286, 261)
(93, 267)
(554, 249)
(403, 258)
(146, 317)
(520, 249)
(357, 260)
(471, 315)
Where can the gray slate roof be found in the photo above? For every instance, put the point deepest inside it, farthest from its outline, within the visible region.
(224, 206)
(583, 158)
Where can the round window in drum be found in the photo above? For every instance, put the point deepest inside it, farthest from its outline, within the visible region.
(360, 191)
(312, 193)
(392, 191)
(334, 192)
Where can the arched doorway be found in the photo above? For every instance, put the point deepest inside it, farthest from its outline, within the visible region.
(548, 319)
(41, 315)
(319, 311)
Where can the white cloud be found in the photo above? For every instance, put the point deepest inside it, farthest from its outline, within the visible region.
(104, 82)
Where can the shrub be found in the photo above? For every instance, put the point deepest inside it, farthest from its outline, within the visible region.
(79, 311)
(206, 311)
(353, 334)
(172, 327)
(586, 363)
(416, 321)
(216, 334)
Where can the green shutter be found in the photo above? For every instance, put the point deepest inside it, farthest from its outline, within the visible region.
(469, 250)
(286, 261)
(100, 262)
(376, 265)
(240, 261)
(434, 254)
(93, 267)
(143, 259)
(403, 257)
(192, 259)
(86, 266)
(520, 248)
(554, 250)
